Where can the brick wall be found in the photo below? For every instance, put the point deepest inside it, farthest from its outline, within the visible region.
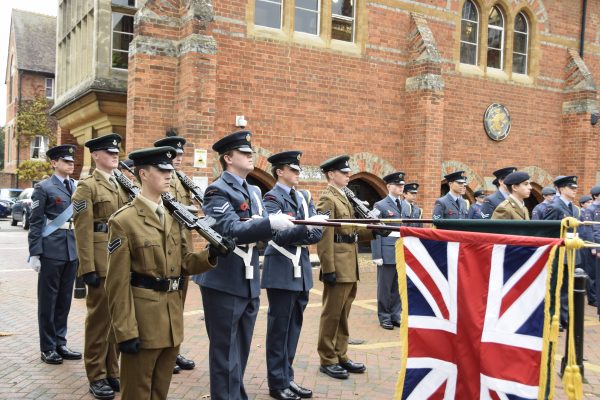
(400, 102)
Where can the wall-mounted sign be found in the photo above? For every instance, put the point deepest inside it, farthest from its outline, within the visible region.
(201, 181)
(496, 122)
(200, 158)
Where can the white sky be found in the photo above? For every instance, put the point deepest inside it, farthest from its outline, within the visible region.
(48, 7)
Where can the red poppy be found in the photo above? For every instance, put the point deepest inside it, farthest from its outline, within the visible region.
(58, 200)
(291, 214)
(390, 213)
(244, 206)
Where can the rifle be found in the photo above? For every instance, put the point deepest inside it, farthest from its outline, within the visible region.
(360, 208)
(189, 184)
(125, 183)
(201, 225)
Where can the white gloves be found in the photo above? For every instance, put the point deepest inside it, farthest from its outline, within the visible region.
(378, 261)
(34, 263)
(374, 213)
(317, 218)
(281, 222)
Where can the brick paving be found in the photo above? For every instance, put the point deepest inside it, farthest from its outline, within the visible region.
(24, 376)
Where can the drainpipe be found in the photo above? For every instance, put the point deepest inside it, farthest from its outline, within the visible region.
(18, 134)
(582, 37)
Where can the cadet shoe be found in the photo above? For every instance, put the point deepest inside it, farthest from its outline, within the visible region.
(396, 323)
(334, 371)
(176, 369)
(67, 353)
(100, 389)
(355, 368)
(114, 384)
(283, 394)
(387, 325)
(51, 357)
(184, 363)
(300, 391)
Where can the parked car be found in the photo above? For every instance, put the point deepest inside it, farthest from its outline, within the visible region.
(10, 193)
(5, 208)
(21, 210)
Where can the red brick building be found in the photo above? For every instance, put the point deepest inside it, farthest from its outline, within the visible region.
(29, 74)
(396, 84)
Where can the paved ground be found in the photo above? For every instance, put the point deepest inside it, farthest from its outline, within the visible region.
(24, 376)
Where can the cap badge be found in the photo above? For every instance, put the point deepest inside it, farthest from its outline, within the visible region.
(71, 150)
(169, 155)
(248, 137)
(298, 157)
(575, 179)
(178, 144)
(115, 142)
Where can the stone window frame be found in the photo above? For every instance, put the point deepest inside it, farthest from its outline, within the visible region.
(477, 38)
(527, 42)
(119, 9)
(38, 143)
(323, 39)
(49, 87)
(510, 11)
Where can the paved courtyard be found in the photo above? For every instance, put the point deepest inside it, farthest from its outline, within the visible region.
(24, 376)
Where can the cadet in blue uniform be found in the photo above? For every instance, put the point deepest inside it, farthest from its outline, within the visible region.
(410, 197)
(588, 260)
(539, 210)
(475, 209)
(592, 213)
(230, 292)
(492, 201)
(287, 275)
(452, 205)
(562, 207)
(383, 251)
(52, 251)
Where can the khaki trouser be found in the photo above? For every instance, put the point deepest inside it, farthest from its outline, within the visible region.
(101, 358)
(147, 374)
(333, 327)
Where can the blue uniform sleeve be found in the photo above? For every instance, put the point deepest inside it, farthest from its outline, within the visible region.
(37, 220)
(376, 252)
(438, 210)
(218, 206)
(289, 236)
(596, 228)
(551, 213)
(487, 209)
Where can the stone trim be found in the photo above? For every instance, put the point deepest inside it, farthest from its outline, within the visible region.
(194, 43)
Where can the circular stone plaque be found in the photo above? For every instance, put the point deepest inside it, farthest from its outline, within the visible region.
(496, 122)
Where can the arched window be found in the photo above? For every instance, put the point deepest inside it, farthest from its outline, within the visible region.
(495, 53)
(521, 44)
(469, 33)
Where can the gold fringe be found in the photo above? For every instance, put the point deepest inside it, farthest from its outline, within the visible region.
(548, 338)
(402, 287)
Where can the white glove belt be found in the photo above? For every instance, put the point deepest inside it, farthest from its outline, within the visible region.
(67, 225)
(246, 257)
(294, 258)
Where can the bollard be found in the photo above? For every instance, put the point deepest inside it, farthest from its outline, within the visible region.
(579, 292)
(79, 289)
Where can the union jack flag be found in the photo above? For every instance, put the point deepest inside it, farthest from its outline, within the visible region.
(475, 312)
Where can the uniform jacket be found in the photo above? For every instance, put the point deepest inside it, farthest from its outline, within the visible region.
(341, 258)
(94, 201)
(446, 208)
(490, 203)
(385, 247)
(539, 211)
(139, 243)
(49, 199)
(278, 270)
(227, 201)
(415, 213)
(592, 213)
(557, 210)
(511, 209)
(475, 211)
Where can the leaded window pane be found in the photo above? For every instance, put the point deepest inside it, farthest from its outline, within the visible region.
(496, 18)
(468, 53)
(520, 63)
(268, 13)
(469, 11)
(494, 58)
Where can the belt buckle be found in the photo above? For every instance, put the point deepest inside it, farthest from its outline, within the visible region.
(173, 285)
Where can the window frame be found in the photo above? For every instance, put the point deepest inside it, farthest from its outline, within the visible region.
(319, 10)
(527, 39)
(42, 146)
(477, 38)
(51, 88)
(281, 14)
(112, 38)
(502, 37)
(343, 17)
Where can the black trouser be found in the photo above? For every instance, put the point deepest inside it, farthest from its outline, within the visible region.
(55, 291)
(388, 296)
(229, 323)
(589, 266)
(286, 311)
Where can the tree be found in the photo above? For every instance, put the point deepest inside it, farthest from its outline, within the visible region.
(34, 170)
(33, 120)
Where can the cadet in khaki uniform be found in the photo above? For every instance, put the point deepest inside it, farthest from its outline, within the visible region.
(183, 196)
(97, 197)
(339, 272)
(148, 254)
(519, 187)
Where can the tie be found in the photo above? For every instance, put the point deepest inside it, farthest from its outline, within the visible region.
(457, 204)
(293, 196)
(571, 208)
(161, 214)
(399, 205)
(68, 186)
(245, 185)
(112, 180)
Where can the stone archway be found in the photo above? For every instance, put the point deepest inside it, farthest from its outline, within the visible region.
(262, 179)
(367, 162)
(538, 175)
